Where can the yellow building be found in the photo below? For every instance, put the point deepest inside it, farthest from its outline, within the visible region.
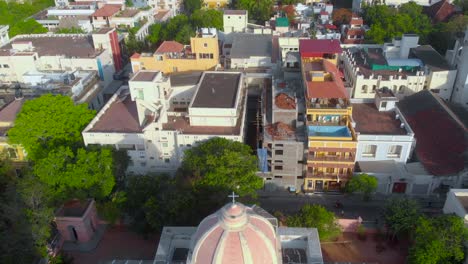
(171, 56)
(331, 138)
(215, 3)
(7, 117)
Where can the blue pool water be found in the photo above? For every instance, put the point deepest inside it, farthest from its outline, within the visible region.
(329, 131)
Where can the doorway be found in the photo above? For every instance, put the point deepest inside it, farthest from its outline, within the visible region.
(399, 187)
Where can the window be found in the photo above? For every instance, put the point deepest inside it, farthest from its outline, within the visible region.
(401, 89)
(164, 145)
(278, 177)
(330, 170)
(278, 161)
(126, 146)
(188, 145)
(167, 160)
(143, 164)
(140, 147)
(141, 95)
(309, 184)
(6, 66)
(369, 151)
(205, 45)
(159, 57)
(278, 145)
(394, 151)
(383, 105)
(279, 152)
(364, 89)
(12, 153)
(279, 167)
(374, 87)
(229, 17)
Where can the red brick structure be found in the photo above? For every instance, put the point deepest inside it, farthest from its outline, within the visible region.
(77, 220)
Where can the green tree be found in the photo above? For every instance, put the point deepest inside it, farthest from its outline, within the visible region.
(463, 4)
(47, 122)
(362, 183)
(316, 216)
(401, 216)
(210, 18)
(132, 44)
(191, 6)
(72, 30)
(80, 174)
(13, 13)
(29, 26)
(154, 36)
(223, 165)
(438, 240)
(154, 201)
(259, 10)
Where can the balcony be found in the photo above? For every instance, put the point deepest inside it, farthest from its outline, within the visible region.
(313, 158)
(332, 176)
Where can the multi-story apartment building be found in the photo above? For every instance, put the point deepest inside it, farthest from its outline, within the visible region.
(58, 52)
(401, 66)
(382, 131)
(171, 56)
(458, 58)
(283, 135)
(354, 32)
(331, 138)
(235, 21)
(157, 117)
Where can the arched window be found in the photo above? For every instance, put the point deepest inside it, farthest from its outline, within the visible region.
(401, 89)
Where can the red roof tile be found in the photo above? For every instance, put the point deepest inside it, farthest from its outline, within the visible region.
(135, 56)
(120, 117)
(9, 112)
(440, 11)
(318, 47)
(107, 11)
(170, 46)
(324, 13)
(356, 21)
(327, 89)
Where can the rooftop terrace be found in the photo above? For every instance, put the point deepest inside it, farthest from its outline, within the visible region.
(370, 121)
(217, 90)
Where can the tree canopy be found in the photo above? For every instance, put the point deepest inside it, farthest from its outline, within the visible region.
(362, 183)
(401, 216)
(438, 240)
(342, 16)
(47, 122)
(13, 13)
(259, 10)
(318, 217)
(224, 165)
(387, 22)
(191, 6)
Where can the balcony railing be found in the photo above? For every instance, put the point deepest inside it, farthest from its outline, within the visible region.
(312, 157)
(324, 175)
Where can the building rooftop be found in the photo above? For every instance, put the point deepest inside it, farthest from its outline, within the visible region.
(160, 14)
(280, 131)
(73, 208)
(251, 45)
(431, 58)
(128, 13)
(8, 113)
(120, 117)
(144, 76)
(318, 47)
(441, 141)
(68, 45)
(333, 88)
(463, 201)
(182, 124)
(217, 90)
(370, 121)
(170, 46)
(235, 12)
(440, 11)
(186, 78)
(107, 11)
(284, 101)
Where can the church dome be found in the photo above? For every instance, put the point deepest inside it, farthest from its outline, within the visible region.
(235, 234)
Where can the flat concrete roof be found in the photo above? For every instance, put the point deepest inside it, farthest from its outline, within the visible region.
(53, 45)
(144, 76)
(370, 121)
(251, 45)
(186, 78)
(217, 90)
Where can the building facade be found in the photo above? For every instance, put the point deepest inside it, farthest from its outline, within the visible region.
(332, 140)
(158, 117)
(171, 56)
(235, 21)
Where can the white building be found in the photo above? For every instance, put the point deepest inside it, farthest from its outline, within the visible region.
(60, 52)
(4, 38)
(382, 132)
(239, 234)
(457, 203)
(458, 58)
(235, 21)
(157, 117)
(402, 66)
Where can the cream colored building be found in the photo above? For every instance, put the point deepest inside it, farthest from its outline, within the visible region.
(235, 21)
(402, 66)
(61, 52)
(157, 117)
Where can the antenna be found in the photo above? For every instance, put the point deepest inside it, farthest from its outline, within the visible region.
(233, 196)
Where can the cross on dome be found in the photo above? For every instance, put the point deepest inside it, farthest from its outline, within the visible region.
(233, 196)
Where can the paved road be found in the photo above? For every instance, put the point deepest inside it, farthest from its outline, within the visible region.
(353, 205)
